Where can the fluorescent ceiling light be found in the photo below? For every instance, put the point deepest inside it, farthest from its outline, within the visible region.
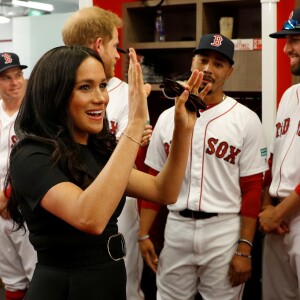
(35, 5)
(4, 20)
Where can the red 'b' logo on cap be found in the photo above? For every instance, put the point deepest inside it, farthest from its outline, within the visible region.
(7, 58)
(217, 41)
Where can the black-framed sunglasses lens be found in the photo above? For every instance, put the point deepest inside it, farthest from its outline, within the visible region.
(172, 89)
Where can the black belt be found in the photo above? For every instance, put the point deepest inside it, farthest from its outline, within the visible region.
(112, 249)
(197, 214)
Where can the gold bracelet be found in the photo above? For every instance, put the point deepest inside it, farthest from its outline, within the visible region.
(134, 140)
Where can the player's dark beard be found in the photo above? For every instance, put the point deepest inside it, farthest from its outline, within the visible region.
(296, 70)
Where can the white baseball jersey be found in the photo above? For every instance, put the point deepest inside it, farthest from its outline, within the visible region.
(128, 221)
(8, 139)
(17, 257)
(281, 279)
(286, 145)
(228, 143)
(117, 109)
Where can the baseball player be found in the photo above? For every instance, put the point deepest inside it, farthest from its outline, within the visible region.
(210, 229)
(104, 40)
(17, 256)
(280, 217)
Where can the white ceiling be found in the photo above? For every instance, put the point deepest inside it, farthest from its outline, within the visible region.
(63, 6)
(60, 6)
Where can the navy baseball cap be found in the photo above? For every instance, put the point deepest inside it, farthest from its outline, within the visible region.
(291, 26)
(9, 60)
(218, 43)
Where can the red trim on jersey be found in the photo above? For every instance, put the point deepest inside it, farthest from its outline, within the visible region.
(204, 149)
(297, 189)
(209, 106)
(140, 158)
(115, 87)
(7, 192)
(251, 188)
(148, 204)
(282, 162)
(268, 173)
(17, 295)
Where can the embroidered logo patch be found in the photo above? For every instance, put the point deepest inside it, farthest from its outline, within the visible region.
(263, 151)
(7, 57)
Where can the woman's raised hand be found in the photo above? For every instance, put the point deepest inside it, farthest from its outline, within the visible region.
(138, 92)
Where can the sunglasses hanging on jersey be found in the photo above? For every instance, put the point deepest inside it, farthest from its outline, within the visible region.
(172, 89)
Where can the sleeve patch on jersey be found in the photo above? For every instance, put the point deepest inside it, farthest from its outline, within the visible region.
(263, 152)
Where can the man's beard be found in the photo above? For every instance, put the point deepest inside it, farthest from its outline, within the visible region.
(296, 69)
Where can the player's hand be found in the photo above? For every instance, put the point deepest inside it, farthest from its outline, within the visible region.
(146, 135)
(239, 270)
(149, 254)
(184, 118)
(283, 228)
(270, 222)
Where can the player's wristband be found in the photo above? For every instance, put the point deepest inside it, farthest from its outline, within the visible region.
(142, 238)
(242, 254)
(245, 241)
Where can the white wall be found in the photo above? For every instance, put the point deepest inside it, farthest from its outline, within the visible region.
(16, 36)
(85, 3)
(33, 36)
(6, 44)
(5, 31)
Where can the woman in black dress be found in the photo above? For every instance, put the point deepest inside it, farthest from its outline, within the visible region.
(69, 177)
